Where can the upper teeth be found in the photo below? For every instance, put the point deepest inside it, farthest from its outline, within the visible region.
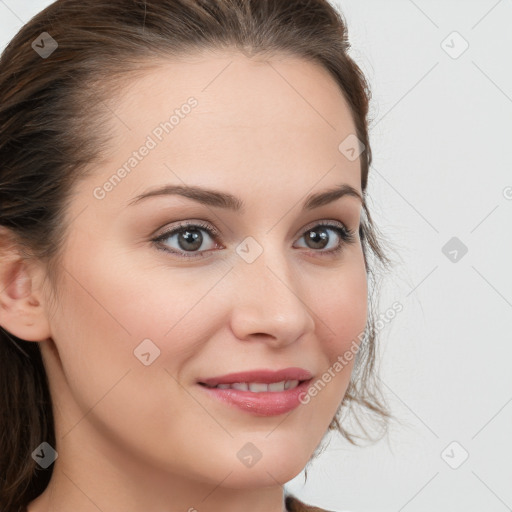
(259, 387)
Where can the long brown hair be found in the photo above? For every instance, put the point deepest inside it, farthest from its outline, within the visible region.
(52, 119)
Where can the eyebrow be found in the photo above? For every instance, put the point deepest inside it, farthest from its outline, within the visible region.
(228, 201)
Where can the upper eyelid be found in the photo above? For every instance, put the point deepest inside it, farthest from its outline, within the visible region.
(347, 236)
(212, 230)
(322, 222)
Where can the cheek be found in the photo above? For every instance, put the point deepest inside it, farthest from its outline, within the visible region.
(112, 300)
(107, 310)
(342, 309)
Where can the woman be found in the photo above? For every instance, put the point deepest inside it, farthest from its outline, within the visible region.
(185, 253)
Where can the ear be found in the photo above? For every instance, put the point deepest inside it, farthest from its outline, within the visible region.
(21, 302)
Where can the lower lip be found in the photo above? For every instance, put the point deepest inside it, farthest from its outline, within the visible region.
(266, 403)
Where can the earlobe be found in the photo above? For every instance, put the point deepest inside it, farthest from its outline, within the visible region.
(21, 311)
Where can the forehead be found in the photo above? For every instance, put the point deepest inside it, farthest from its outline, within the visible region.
(280, 120)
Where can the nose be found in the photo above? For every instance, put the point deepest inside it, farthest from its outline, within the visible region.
(269, 304)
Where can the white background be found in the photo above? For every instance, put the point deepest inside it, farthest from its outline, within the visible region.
(442, 143)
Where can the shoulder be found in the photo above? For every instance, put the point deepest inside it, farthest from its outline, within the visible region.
(293, 504)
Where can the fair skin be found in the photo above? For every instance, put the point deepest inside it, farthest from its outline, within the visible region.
(140, 438)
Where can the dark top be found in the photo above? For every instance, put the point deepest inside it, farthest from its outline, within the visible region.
(293, 504)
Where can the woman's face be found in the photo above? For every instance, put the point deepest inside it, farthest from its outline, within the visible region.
(139, 324)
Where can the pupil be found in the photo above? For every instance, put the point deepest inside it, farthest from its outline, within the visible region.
(317, 237)
(193, 237)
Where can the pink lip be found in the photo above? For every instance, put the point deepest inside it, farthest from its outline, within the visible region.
(269, 403)
(263, 376)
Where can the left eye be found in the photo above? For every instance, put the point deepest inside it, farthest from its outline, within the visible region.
(192, 239)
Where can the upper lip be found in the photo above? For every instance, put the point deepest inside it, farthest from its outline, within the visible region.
(263, 376)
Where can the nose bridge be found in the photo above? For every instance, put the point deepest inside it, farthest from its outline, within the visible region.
(268, 299)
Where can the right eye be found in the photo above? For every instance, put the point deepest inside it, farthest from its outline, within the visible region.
(189, 239)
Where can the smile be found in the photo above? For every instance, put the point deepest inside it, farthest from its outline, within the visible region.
(259, 387)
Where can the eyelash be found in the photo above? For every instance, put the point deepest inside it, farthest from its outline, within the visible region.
(347, 236)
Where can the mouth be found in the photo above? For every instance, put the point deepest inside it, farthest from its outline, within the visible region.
(259, 387)
(259, 398)
(258, 381)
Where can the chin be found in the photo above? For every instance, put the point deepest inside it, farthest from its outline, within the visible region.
(254, 482)
(265, 473)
